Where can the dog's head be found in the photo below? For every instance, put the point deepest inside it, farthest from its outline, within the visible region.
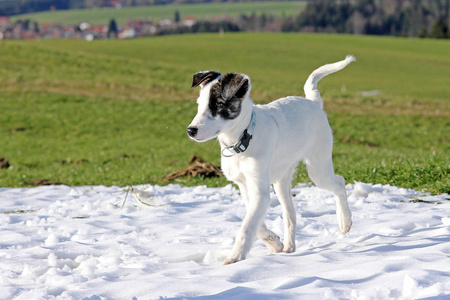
(219, 103)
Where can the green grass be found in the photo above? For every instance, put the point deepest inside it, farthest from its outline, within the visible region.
(202, 11)
(115, 112)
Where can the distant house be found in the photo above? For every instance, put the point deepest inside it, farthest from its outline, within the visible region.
(112, 3)
(166, 23)
(127, 33)
(4, 24)
(189, 21)
(99, 30)
(4, 20)
(84, 26)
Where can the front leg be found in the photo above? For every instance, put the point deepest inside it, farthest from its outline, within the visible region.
(258, 200)
(269, 238)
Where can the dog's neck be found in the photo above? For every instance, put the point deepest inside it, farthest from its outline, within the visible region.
(230, 137)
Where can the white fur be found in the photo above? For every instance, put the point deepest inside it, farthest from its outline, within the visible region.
(288, 130)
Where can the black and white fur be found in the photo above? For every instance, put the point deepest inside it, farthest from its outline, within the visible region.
(287, 131)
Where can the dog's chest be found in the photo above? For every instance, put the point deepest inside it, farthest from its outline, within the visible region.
(231, 169)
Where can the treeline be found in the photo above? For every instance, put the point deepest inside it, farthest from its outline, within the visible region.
(412, 18)
(202, 26)
(408, 18)
(17, 7)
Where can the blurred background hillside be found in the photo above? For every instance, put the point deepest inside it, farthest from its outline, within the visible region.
(94, 19)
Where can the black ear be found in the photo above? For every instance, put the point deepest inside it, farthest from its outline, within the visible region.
(235, 85)
(202, 78)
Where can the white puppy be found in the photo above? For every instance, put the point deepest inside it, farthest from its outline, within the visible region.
(263, 144)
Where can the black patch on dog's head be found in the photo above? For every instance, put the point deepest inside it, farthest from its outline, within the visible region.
(202, 78)
(226, 95)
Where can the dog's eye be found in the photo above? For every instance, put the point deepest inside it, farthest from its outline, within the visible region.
(220, 105)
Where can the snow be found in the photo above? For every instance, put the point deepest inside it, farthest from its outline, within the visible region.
(61, 242)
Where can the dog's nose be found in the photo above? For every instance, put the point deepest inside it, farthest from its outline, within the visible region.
(192, 131)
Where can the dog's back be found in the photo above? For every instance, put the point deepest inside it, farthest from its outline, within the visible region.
(299, 124)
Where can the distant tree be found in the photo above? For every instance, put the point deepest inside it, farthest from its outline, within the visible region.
(208, 26)
(439, 30)
(76, 4)
(423, 32)
(36, 27)
(26, 24)
(176, 17)
(112, 29)
(93, 3)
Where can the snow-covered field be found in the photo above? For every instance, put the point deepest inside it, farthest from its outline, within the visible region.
(80, 243)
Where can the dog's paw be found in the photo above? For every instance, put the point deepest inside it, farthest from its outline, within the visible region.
(234, 257)
(345, 224)
(289, 248)
(273, 243)
(344, 218)
(230, 261)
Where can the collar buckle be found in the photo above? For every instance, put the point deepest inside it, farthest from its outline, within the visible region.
(243, 142)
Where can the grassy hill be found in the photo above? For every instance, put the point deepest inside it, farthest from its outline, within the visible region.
(202, 11)
(115, 112)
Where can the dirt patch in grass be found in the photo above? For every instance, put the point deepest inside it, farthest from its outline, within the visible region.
(40, 182)
(350, 139)
(198, 168)
(4, 164)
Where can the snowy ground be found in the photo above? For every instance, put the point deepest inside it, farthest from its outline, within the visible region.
(79, 242)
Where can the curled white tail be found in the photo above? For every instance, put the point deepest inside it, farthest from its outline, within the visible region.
(310, 87)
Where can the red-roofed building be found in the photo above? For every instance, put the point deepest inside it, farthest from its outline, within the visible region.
(4, 19)
(189, 21)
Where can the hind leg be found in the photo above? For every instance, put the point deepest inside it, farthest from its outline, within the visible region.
(283, 191)
(322, 174)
